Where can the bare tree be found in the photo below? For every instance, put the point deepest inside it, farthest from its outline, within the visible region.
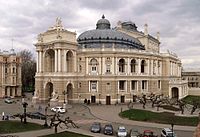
(28, 70)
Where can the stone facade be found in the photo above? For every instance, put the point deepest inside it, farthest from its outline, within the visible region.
(104, 65)
(10, 76)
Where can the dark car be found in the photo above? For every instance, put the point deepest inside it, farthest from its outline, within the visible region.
(96, 127)
(36, 115)
(148, 133)
(108, 129)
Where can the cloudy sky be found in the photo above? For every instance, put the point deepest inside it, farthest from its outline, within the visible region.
(178, 21)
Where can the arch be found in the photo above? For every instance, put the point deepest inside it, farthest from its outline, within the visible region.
(49, 59)
(69, 92)
(143, 64)
(70, 61)
(175, 92)
(48, 90)
(121, 65)
(133, 66)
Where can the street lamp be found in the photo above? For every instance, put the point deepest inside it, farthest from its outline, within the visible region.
(99, 98)
(24, 104)
(172, 124)
(45, 124)
(64, 93)
(117, 98)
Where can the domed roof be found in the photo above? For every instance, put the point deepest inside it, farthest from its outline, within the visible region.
(103, 34)
(103, 23)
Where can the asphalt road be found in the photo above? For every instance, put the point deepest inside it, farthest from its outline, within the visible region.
(80, 115)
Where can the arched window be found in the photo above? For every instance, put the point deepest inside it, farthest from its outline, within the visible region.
(133, 66)
(93, 63)
(143, 63)
(121, 65)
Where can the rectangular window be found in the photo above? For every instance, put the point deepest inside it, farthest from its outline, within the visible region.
(159, 84)
(107, 68)
(121, 85)
(93, 86)
(144, 84)
(94, 68)
(133, 85)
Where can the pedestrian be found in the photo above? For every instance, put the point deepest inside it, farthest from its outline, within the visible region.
(3, 115)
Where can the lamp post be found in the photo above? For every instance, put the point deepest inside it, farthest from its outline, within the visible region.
(45, 124)
(117, 98)
(99, 98)
(64, 93)
(172, 124)
(24, 104)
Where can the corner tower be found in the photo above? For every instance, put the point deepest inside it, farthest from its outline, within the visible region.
(56, 64)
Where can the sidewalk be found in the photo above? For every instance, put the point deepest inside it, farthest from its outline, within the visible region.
(110, 114)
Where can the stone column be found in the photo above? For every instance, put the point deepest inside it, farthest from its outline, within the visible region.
(64, 61)
(59, 61)
(139, 66)
(86, 63)
(75, 66)
(56, 59)
(148, 67)
(40, 61)
(128, 66)
(37, 62)
(116, 66)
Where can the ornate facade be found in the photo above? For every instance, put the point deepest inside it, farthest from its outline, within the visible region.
(104, 65)
(10, 77)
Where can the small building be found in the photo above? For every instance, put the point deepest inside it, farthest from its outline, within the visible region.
(10, 74)
(105, 65)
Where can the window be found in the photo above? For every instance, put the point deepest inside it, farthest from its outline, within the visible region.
(93, 64)
(159, 84)
(143, 63)
(144, 84)
(108, 68)
(6, 70)
(79, 85)
(94, 68)
(122, 85)
(133, 85)
(121, 65)
(80, 68)
(133, 66)
(13, 70)
(93, 85)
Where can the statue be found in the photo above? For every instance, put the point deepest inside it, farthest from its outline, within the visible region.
(54, 96)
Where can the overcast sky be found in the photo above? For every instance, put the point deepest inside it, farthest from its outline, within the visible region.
(178, 21)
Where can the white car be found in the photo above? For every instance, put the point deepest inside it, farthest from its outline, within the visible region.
(167, 132)
(58, 109)
(122, 132)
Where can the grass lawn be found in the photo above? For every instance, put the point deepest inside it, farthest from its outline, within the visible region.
(163, 117)
(17, 126)
(189, 99)
(66, 134)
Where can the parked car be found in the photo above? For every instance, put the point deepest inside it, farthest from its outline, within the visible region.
(36, 115)
(108, 129)
(134, 133)
(122, 132)
(148, 133)
(8, 101)
(58, 109)
(167, 132)
(95, 127)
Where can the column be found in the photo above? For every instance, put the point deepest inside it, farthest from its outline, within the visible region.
(128, 66)
(64, 61)
(37, 61)
(40, 61)
(56, 58)
(139, 66)
(75, 60)
(148, 67)
(116, 66)
(100, 66)
(86, 65)
(59, 61)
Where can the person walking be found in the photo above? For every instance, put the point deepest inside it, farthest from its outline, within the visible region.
(3, 116)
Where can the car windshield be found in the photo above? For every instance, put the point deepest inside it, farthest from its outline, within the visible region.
(122, 130)
(108, 128)
(148, 133)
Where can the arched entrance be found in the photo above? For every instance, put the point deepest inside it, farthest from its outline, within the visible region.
(69, 59)
(175, 94)
(49, 59)
(69, 93)
(49, 90)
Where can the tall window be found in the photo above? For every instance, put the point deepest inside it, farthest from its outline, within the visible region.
(121, 85)
(121, 65)
(93, 86)
(159, 84)
(133, 66)
(133, 85)
(143, 63)
(144, 84)
(108, 68)
(93, 63)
